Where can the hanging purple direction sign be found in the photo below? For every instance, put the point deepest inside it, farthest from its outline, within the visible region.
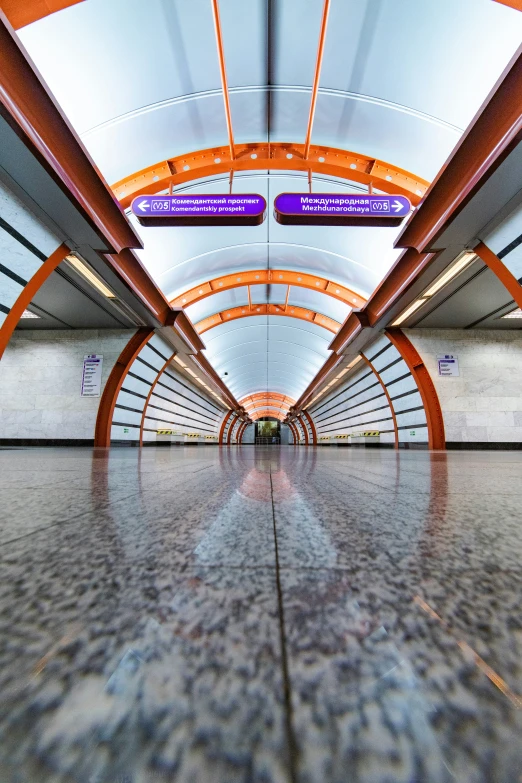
(241, 209)
(339, 209)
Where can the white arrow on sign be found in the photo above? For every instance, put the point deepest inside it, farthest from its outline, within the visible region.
(397, 206)
(143, 205)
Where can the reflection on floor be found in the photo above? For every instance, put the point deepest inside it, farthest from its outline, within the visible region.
(260, 614)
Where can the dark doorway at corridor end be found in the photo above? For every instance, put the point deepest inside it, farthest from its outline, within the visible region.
(268, 432)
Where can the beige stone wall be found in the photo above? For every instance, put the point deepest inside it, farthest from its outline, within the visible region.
(40, 381)
(484, 404)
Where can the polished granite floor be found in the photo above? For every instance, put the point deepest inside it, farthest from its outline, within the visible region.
(260, 615)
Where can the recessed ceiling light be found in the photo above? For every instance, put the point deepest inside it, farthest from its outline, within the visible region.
(461, 263)
(453, 271)
(411, 309)
(513, 314)
(84, 270)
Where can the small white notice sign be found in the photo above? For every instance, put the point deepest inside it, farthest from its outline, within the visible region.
(448, 365)
(92, 375)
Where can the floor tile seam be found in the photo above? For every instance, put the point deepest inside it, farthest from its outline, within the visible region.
(285, 672)
(397, 492)
(76, 518)
(356, 477)
(360, 478)
(387, 490)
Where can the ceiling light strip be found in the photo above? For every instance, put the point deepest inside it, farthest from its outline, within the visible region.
(85, 271)
(461, 263)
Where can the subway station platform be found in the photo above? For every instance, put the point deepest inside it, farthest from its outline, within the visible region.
(260, 614)
(260, 391)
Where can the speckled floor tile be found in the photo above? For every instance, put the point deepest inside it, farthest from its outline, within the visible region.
(383, 692)
(142, 675)
(154, 632)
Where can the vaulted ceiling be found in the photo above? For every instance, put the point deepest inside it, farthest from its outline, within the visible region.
(400, 80)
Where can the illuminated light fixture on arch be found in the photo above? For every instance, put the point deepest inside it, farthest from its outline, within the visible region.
(456, 268)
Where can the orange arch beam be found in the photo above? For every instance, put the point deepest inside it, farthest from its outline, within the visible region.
(249, 399)
(102, 433)
(280, 156)
(267, 309)
(264, 406)
(264, 276)
(425, 385)
(26, 295)
(24, 12)
(267, 413)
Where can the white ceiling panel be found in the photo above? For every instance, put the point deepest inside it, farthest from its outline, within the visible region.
(400, 80)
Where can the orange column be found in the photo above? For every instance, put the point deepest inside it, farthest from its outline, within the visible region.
(149, 395)
(223, 425)
(305, 428)
(430, 399)
(501, 271)
(27, 294)
(102, 435)
(229, 433)
(294, 432)
(385, 390)
(241, 431)
(312, 427)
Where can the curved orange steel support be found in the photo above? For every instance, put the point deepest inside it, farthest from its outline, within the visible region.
(280, 156)
(240, 432)
(294, 432)
(268, 410)
(149, 395)
(23, 12)
(501, 271)
(264, 276)
(387, 395)
(231, 427)
(274, 414)
(317, 76)
(102, 434)
(305, 429)
(430, 399)
(27, 294)
(235, 429)
(312, 427)
(223, 71)
(244, 429)
(267, 309)
(268, 397)
(223, 425)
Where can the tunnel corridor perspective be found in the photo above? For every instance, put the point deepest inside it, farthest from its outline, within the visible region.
(260, 614)
(261, 391)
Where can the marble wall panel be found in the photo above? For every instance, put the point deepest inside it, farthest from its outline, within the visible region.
(481, 404)
(40, 382)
